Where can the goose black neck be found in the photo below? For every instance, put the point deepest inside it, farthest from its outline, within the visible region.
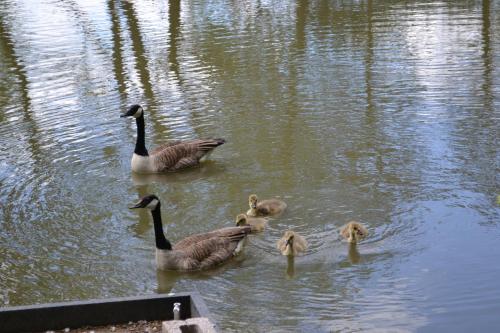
(162, 242)
(140, 144)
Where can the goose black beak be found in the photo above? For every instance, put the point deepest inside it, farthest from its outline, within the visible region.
(129, 113)
(137, 205)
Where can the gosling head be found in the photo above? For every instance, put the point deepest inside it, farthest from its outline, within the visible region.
(150, 202)
(252, 201)
(291, 244)
(285, 244)
(354, 232)
(241, 220)
(134, 111)
(289, 237)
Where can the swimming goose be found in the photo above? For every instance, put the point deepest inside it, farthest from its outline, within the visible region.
(353, 232)
(196, 252)
(267, 207)
(169, 157)
(258, 224)
(291, 243)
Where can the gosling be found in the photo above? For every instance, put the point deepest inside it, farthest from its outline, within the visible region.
(291, 244)
(258, 224)
(353, 232)
(269, 207)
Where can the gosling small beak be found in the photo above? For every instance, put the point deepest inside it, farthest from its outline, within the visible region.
(254, 206)
(289, 241)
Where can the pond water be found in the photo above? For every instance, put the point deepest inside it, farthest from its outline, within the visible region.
(384, 112)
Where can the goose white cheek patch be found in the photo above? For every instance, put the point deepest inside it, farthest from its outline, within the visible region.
(152, 204)
(138, 113)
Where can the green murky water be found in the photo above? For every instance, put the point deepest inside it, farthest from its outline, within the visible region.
(384, 112)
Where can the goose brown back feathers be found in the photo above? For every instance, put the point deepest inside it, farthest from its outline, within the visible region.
(182, 154)
(229, 233)
(203, 251)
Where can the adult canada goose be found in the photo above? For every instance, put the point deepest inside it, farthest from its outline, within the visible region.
(195, 252)
(291, 244)
(353, 232)
(258, 224)
(169, 157)
(267, 207)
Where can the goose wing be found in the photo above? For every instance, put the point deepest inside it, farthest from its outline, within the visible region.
(165, 145)
(236, 233)
(181, 154)
(219, 256)
(193, 239)
(211, 252)
(213, 248)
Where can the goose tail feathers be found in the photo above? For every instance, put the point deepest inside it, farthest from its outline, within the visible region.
(210, 144)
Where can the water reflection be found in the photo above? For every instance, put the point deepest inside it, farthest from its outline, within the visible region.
(141, 61)
(208, 168)
(300, 24)
(32, 150)
(174, 25)
(166, 280)
(144, 224)
(487, 56)
(290, 267)
(10, 59)
(354, 255)
(118, 68)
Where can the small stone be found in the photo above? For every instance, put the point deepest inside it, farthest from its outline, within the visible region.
(113, 328)
(66, 330)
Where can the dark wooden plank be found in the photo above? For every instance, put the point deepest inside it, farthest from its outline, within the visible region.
(55, 316)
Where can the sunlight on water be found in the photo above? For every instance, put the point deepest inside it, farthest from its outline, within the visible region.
(380, 112)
